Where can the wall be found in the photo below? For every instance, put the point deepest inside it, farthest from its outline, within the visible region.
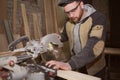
(3, 15)
(7, 13)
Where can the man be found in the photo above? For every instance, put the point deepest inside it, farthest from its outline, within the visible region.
(85, 31)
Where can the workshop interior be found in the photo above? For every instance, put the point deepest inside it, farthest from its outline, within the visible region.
(28, 26)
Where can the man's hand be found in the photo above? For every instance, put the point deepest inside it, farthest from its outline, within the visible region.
(3, 73)
(58, 65)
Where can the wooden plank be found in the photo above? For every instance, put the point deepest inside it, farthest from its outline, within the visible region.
(25, 21)
(3, 42)
(37, 30)
(55, 16)
(11, 53)
(8, 31)
(49, 16)
(35, 26)
(39, 18)
(7, 53)
(72, 75)
(0, 78)
(112, 51)
(16, 35)
(14, 15)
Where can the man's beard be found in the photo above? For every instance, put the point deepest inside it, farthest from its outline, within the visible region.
(77, 19)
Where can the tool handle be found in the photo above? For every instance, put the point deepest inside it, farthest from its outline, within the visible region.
(13, 44)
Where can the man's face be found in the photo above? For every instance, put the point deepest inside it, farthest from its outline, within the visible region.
(74, 11)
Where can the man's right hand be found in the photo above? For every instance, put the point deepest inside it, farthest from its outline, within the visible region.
(4, 73)
(58, 65)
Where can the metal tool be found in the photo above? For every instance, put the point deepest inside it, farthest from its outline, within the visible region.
(33, 48)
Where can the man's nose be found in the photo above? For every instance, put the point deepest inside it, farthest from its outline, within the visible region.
(70, 14)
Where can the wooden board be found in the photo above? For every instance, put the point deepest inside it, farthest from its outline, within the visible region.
(39, 18)
(8, 31)
(72, 75)
(37, 30)
(3, 42)
(25, 21)
(112, 50)
(55, 15)
(49, 16)
(16, 35)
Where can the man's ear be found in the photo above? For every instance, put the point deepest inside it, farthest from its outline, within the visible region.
(82, 5)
